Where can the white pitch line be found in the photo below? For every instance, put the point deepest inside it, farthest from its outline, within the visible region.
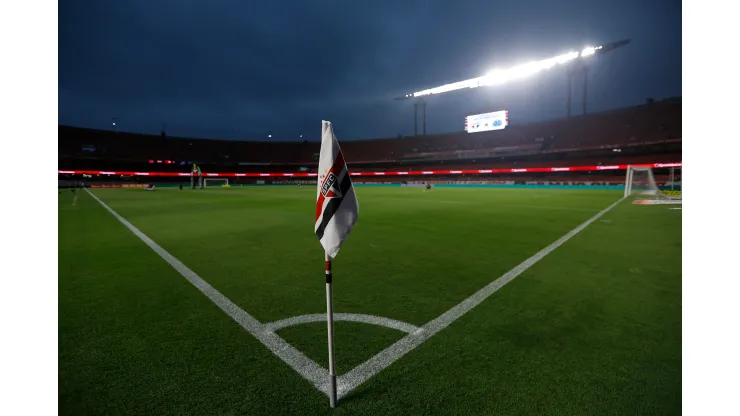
(317, 375)
(306, 367)
(358, 375)
(351, 317)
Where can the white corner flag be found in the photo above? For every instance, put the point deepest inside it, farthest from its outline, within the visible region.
(336, 202)
(336, 214)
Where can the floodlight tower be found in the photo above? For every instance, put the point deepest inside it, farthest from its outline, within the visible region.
(423, 104)
(572, 72)
(575, 63)
(581, 67)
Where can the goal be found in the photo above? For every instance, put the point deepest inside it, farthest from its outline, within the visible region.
(641, 181)
(223, 182)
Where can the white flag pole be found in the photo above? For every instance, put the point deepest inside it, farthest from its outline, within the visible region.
(330, 328)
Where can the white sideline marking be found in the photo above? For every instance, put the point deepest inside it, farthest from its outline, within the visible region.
(317, 375)
(388, 356)
(310, 370)
(351, 317)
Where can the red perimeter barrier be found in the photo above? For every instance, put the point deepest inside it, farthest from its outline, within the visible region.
(400, 173)
(117, 185)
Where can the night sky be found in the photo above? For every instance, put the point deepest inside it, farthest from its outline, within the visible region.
(243, 69)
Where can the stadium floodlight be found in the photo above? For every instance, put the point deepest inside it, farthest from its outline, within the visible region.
(589, 50)
(502, 76)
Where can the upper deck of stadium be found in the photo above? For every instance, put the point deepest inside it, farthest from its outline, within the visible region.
(640, 132)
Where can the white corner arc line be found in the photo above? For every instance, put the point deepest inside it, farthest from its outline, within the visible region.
(351, 317)
(317, 375)
(358, 375)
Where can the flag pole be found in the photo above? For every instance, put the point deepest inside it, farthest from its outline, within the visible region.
(330, 328)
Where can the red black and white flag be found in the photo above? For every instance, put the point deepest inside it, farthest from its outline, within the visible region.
(336, 203)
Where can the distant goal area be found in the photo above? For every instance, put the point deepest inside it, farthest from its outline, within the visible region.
(640, 183)
(216, 182)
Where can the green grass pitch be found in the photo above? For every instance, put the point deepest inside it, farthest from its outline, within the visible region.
(593, 328)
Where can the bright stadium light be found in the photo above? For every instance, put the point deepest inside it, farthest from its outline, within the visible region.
(499, 76)
(502, 76)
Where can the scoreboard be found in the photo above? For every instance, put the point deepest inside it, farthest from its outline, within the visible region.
(497, 120)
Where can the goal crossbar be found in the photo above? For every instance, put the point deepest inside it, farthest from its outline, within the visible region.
(222, 181)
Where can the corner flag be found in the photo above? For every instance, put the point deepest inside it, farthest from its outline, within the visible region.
(336, 214)
(336, 202)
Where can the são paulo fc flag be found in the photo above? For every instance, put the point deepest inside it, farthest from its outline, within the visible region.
(336, 203)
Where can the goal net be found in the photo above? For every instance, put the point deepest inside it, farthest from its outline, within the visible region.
(640, 181)
(223, 182)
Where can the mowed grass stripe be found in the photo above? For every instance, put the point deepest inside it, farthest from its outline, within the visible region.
(529, 349)
(136, 338)
(593, 328)
(260, 250)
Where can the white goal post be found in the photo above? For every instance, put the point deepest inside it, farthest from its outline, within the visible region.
(224, 182)
(640, 179)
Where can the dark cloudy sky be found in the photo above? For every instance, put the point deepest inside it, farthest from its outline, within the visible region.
(243, 69)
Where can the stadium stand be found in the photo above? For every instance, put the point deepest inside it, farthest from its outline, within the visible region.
(649, 133)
